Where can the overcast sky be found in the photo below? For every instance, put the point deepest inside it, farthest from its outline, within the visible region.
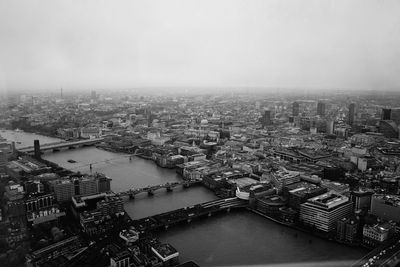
(93, 44)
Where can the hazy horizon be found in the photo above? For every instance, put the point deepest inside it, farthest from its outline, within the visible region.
(275, 44)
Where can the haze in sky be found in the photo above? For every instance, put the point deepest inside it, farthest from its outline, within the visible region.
(91, 44)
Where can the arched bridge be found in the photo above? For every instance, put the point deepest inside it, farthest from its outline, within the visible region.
(63, 144)
(151, 189)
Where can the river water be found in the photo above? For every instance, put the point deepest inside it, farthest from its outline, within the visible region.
(238, 238)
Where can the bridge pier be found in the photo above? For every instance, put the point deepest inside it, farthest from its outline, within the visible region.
(71, 147)
(131, 196)
(209, 214)
(56, 150)
(150, 192)
(169, 189)
(228, 210)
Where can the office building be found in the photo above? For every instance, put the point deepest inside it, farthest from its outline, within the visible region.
(386, 114)
(346, 230)
(3, 161)
(266, 118)
(64, 190)
(352, 113)
(321, 108)
(323, 212)
(88, 186)
(295, 109)
(361, 199)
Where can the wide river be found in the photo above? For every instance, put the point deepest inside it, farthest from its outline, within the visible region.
(236, 238)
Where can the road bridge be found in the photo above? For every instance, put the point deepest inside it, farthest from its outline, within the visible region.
(169, 186)
(64, 144)
(388, 254)
(187, 214)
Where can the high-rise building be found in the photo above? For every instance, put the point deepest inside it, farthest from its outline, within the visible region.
(36, 146)
(323, 211)
(361, 199)
(395, 115)
(386, 114)
(88, 186)
(321, 108)
(266, 118)
(63, 189)
(346, 230)
(352, 113)
(295, 109)
(103, 184)
(3, 161)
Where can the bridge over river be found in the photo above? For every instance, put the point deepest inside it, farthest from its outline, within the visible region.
(63, 144)
(187, 214)
(150, 189)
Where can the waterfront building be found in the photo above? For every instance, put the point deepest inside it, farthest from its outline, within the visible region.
(88, 186)
(166, 253)
(346, 230)
(386, 207)
(63, 189)
(41, 256)
(270, 205)
(374, 235)
(298, 193)
(103, 183)
(323, 212)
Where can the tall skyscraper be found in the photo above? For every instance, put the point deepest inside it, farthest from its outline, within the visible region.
(36, 146)
(395, 115)
(321, 107)
(386, 114)
(352, 113)
(266, 118)
(295, 109)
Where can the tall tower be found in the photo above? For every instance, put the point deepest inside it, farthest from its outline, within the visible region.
(352, 113)
(36, 146)
(266, 118)
(295, 109)
(61, 93)
(321, 107)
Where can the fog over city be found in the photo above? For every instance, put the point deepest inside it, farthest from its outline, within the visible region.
(46, 45)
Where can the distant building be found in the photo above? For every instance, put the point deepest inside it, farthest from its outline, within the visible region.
(3, 161)
(386, 114)
(321, 108)
(323, 212)
(266, 118)
(352, 113)
(295, 109)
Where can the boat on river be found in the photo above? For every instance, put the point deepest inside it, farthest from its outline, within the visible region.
(71, 161)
